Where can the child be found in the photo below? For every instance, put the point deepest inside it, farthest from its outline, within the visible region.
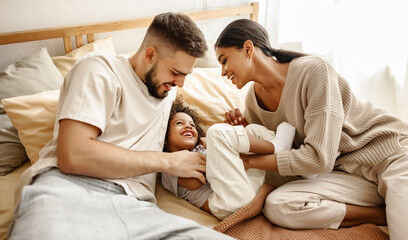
(229, 185)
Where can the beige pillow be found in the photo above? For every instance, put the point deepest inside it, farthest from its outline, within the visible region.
(65, 63)
(211, 95)
(33, 116)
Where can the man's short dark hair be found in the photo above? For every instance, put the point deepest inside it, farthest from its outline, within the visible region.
(179, 31)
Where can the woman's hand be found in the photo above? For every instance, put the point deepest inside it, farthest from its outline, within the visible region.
(246, 160)
(234, 117)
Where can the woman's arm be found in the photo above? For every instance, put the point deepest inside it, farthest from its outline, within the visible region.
(260, 146)
(266, 162)
(323, 93)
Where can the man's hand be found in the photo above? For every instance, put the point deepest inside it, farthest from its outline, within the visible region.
(234, 117)
(187, 164)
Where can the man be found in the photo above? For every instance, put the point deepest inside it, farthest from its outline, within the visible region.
(96, 178)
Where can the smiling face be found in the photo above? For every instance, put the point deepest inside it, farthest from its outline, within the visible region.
(182, 133)
(235, 64)
(168, 72)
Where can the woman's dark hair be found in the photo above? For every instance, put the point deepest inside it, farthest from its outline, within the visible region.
(178, 106)
(238, 31)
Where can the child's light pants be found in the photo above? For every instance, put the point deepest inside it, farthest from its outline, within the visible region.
(233, 186)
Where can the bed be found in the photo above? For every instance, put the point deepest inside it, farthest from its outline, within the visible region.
(29, 94)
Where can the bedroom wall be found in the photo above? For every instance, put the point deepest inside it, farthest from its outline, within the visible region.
(28, 14)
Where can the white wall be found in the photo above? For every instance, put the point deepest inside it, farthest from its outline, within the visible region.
(18, 15)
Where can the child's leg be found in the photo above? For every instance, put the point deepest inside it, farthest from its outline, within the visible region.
(282, 140)
(285, 133)
(232, 188)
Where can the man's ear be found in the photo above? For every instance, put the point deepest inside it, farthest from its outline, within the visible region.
(150, 55)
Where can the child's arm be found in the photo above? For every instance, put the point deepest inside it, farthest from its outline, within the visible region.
(190, 183)
(193, 184)
(260, 146)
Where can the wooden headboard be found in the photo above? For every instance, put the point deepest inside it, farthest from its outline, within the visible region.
(80, 31)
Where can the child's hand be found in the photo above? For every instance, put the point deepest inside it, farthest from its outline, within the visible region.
(234, 117)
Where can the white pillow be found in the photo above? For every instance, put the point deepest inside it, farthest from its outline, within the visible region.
(383, 91)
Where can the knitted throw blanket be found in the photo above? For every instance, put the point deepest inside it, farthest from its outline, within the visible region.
(250, 223)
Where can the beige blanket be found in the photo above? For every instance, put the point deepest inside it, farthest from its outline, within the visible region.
(250, 223)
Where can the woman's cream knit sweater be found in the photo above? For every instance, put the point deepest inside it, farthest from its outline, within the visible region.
(328, 118)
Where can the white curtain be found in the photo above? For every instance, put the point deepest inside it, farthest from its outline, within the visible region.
(365, 40)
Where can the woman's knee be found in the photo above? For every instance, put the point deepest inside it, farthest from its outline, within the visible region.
(284, 211)
(275, 210)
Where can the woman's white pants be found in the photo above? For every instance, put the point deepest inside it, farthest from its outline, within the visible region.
(321, 202)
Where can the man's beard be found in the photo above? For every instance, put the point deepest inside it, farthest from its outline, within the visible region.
(151, 83)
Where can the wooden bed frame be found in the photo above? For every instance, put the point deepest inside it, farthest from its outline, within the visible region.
(79, 31)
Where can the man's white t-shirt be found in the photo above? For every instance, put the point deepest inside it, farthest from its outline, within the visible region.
(104, 91)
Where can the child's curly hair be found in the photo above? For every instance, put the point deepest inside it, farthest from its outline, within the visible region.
(178, 106)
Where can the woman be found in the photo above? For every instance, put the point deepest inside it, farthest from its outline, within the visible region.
(359, 152)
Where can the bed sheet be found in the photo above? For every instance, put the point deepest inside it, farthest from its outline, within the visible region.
(7, 185)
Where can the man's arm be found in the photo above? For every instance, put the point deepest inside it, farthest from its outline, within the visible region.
(79, 152)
